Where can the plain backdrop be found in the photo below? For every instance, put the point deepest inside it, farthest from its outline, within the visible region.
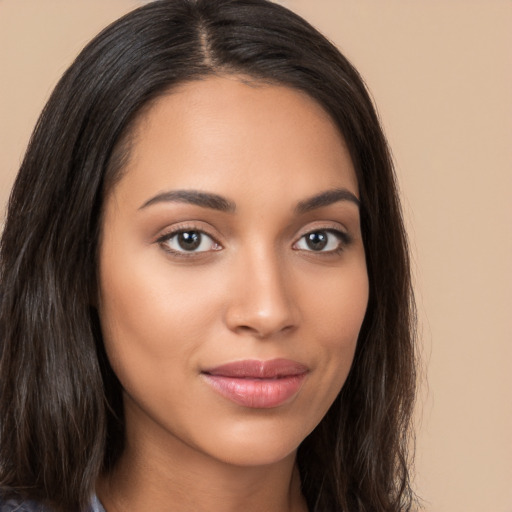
(441, 75)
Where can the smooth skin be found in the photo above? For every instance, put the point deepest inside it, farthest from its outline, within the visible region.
(188, 282)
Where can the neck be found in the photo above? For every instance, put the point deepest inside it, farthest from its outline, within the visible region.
(170, 476)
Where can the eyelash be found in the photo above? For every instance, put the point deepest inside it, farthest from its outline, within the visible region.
(164, 240)
(344, 239)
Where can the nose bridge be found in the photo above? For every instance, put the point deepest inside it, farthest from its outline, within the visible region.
(262, 301)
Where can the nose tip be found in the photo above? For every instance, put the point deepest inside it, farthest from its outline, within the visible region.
(260, 324)
(262, 305)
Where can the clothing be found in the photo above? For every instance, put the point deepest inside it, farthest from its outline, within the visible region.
(31, 506)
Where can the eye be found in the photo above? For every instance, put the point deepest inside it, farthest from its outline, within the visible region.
(323, 240)
(188, 241)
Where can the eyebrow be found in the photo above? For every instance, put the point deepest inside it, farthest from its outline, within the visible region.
(204, 199)
(326, 198)
(216, 202)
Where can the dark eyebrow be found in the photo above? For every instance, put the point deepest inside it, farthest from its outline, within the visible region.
(204, 199)
(325, 199)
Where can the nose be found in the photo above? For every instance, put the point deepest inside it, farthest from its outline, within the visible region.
(261, 299)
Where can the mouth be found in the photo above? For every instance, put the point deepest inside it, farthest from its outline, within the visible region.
(257, 384)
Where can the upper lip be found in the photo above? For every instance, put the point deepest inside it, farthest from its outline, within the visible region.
(256, 369)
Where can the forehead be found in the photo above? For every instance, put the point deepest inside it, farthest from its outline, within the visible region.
(225, 134)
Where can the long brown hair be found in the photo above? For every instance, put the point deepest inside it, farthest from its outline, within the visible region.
(61, 417)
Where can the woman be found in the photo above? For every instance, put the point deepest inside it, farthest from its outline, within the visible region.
(206, 298)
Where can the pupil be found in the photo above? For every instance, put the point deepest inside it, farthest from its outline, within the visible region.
(189, 240)
(317, 241)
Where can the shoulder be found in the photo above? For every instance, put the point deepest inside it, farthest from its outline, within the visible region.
(10, 505)
(21, 506)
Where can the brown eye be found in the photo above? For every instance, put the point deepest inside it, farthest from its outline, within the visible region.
(323, 240)
(188, 241)
(317, 241)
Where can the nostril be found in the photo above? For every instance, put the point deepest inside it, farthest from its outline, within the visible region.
(267, 310)
(263, 331)
(249, 330)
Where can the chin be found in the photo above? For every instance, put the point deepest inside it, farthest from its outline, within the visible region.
(253, 456)
(258, 447)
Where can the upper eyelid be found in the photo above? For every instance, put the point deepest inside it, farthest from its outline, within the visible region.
(344, 237)
(172, 234)
(166, 237)
(167, 233)
(180, 227)
(335, 227)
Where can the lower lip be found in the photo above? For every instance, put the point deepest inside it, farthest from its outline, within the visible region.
(256, 393)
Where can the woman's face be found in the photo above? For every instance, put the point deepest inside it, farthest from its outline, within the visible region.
(233, 281)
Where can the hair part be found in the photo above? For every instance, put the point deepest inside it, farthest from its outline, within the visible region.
(61, 417)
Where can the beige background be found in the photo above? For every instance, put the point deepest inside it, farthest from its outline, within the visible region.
(441, 75)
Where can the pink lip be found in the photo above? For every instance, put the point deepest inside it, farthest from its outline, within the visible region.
(257, 384)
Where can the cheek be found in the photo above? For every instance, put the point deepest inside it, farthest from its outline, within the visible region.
(336, 312)
(151, 339)
(143, 295)
(146, 330)
(336, 302)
